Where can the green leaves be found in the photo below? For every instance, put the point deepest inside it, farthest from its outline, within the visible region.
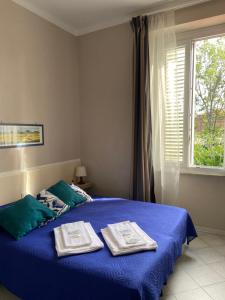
(209, 102)
(211, 157)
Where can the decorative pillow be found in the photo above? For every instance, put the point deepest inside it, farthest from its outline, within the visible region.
(81, 192)
(23, 216)
(52, 202)
(68, 195)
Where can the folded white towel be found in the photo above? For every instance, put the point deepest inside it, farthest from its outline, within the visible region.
(96, 243)
(125, 234)
(150, 244)
(75, 234)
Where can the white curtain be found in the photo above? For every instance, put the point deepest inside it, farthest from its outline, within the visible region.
(164, 107)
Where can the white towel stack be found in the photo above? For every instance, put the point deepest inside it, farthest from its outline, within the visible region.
(127, 237)
(75, 238)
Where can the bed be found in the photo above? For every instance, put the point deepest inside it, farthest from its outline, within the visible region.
(31, 269)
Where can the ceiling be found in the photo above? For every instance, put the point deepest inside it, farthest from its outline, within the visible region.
(83, 16)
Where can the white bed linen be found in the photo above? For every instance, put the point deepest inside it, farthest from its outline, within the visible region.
(150, 244)
(125, 234)
(96, 243)
(75, 234)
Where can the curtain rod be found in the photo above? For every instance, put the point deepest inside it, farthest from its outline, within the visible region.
(173, 5)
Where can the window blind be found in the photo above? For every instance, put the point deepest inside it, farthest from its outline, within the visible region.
(174, 106)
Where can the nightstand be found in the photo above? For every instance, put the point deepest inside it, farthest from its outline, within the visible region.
(85, 186)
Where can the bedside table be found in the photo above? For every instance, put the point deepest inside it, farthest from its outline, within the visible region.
(85, 186)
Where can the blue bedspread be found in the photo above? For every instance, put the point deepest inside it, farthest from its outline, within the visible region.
(30, 267)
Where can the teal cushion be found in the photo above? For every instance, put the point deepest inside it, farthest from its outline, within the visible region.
(64, 192)
(23, 216)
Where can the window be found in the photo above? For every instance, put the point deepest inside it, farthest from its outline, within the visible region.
(200, 94)
(208, 102)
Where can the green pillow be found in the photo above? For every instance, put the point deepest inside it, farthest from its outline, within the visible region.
(64, 192)
(23, 216)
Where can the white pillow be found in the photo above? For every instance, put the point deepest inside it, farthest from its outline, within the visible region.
(78, 190)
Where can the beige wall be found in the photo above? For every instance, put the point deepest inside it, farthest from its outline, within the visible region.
(106, 120)
(106, 108)
(204, 197)
(200, 11)
(38, 84)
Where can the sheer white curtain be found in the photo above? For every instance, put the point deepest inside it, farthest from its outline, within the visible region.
(164, 107)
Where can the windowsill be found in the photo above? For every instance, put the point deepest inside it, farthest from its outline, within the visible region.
(203, 171)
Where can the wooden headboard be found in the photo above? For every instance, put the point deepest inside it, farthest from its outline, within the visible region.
(13, 184)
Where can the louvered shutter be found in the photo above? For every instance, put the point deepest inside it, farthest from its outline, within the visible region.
(174, 108)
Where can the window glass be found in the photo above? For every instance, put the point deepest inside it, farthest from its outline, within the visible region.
(208, 102)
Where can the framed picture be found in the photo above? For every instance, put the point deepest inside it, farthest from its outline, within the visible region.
(21, 135)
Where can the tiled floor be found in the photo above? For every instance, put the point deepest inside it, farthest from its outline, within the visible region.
(199, 274)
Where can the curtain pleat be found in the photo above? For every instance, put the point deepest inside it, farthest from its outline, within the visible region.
(143, 175)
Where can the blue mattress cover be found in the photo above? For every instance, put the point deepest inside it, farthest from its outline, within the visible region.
(31, 269)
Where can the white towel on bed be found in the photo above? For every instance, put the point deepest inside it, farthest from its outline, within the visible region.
(126, 235)
(75, 234)
(95, 244)
(150, 244)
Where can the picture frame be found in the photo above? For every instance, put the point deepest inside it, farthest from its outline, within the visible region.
(13, 135)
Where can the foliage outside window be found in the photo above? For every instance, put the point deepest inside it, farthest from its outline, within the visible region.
(209, 102)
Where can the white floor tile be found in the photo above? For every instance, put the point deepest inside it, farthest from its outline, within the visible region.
(205, 275)
(188, 251)
(168, 298)
(219, 267)
(188, 260)
(221, 250)
(198, 294)
(216, 291)
(198, 244)
(212, 240)
(178, 282)
(209, 255)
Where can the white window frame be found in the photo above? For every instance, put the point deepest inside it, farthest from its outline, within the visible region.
(187, 40)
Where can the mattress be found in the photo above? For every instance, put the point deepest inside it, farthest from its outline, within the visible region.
(31, 269)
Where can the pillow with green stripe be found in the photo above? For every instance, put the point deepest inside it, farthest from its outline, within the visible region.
(68, 195)
(24, 215)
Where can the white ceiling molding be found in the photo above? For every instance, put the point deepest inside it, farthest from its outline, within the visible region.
(103, 25)
(154, 9)
(170, 5)
(157, 7)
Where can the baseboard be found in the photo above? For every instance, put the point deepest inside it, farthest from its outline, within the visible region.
(210, 230)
